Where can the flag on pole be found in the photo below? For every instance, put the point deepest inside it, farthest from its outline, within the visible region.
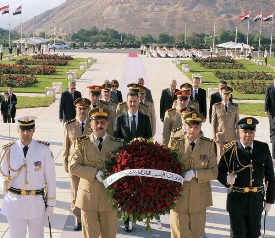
(268, 17)
(18, 11)
(245, 16)
(5, 9)
(258, 17)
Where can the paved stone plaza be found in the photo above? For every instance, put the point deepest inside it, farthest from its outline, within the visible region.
(157, 73)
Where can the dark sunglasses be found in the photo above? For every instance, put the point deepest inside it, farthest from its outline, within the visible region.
(114, 86)
(72, 88)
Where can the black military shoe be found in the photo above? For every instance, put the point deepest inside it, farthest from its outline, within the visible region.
(128, 225)
(77, 226)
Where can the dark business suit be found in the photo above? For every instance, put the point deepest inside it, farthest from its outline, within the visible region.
(116, 96)
(201, 99)
(245, 209)
(4, 110)
(122, 128)
(12, 101)
(215, 98)
(166, 101)
(66, 106)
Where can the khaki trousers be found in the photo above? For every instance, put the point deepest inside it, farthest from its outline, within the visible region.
(187, 225)
(74, 187)
(95, 224)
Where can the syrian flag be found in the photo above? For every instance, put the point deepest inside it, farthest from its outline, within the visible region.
(245, 16)
(5, 9)
(258, 17)
(18, 11)
(268, 17)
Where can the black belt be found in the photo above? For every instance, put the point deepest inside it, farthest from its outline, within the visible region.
(26, 192)
(248, 189)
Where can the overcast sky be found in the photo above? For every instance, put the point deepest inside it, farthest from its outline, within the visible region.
(30, 8)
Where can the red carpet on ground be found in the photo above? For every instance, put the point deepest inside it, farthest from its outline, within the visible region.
(133, 55)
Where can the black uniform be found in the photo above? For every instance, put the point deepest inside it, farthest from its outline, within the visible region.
(12, 100)
(245, 207)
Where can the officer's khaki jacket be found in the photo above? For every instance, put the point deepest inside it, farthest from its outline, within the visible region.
(196, 195)
(172, 119)
(224, 127)
(152, 115)
(86, 160)
(72, 130)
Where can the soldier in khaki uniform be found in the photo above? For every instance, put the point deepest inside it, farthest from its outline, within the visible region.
(94, 94)
(73, 129)
(172, 117)
(110, 104)
(150, 103)
(225, 115)
(97, 216)
(199, 160)
(191, 103)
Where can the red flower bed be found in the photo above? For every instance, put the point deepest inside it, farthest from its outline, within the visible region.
(250, 87)
(144, 195)
(19, 81)
(54, 56)
(218, 65)
(221, 59)
(23, 69)
(55, 62)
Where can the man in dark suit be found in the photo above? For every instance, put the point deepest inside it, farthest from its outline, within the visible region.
(12, 104)
(217, 97)
(241, 169)
(5, 108)
(167, 98)
(269, 108)
(199, 96)
(148, 93)
(130, 125)
(67, 107)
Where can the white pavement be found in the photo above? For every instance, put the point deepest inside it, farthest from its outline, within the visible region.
(157, 73)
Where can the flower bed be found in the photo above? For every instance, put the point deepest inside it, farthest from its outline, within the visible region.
(23, 69)
(217, 65)
(243, 75)
(55, 62)
(54, 56)
(249, 87)
(143, 196)
(19, 81)
(221, 59)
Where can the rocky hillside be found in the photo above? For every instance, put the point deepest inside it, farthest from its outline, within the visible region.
(151, 16)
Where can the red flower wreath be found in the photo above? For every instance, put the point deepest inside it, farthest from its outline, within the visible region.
(143, 197)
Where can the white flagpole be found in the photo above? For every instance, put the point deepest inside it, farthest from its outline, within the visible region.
(21, 30)
(260, 34)
(271, 34)
(247, 28)
(9, 28)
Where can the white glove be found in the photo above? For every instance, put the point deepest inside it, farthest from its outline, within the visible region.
(49, 211)
(189, 175)
(267, 207)
(228, 178)
(98, 176)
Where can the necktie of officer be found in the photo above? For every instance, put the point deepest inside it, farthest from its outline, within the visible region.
(82, 127)
(25, 150)
(73, 96)
(248, 150)
(192, 145)
(226, 107)
(133, 126)
(196, 95)
(100, 143)
(94, 105)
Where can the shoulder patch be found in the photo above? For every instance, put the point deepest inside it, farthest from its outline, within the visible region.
(217, 103)
(142, 103)
(117, 139)
(171, 109)
(149, 100)
(177, 138)
(84, 137)
(43, 142)
(229, 145)
(205, 138)
(235, 104)
(8, 145)
(177, 129)
(104, 102)
(113, 100)
(121, 103)
(175, 100)
(70, 121)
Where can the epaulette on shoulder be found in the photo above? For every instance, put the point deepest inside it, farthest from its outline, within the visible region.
(206, 138)
(113, 100)
(121, 103)
(217, 103)
(175, 100)
(70, 121)
(261, 142)
(104, 102)
(144, 104)
(171, 109)
(180, 138)
(149, 100)
(117, 139)
(43, 142)
(235, 104)
(229, 145)
(84, 137)
(8, 145)
(177, 129)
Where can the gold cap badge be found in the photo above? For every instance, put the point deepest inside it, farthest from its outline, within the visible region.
(249, 121)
